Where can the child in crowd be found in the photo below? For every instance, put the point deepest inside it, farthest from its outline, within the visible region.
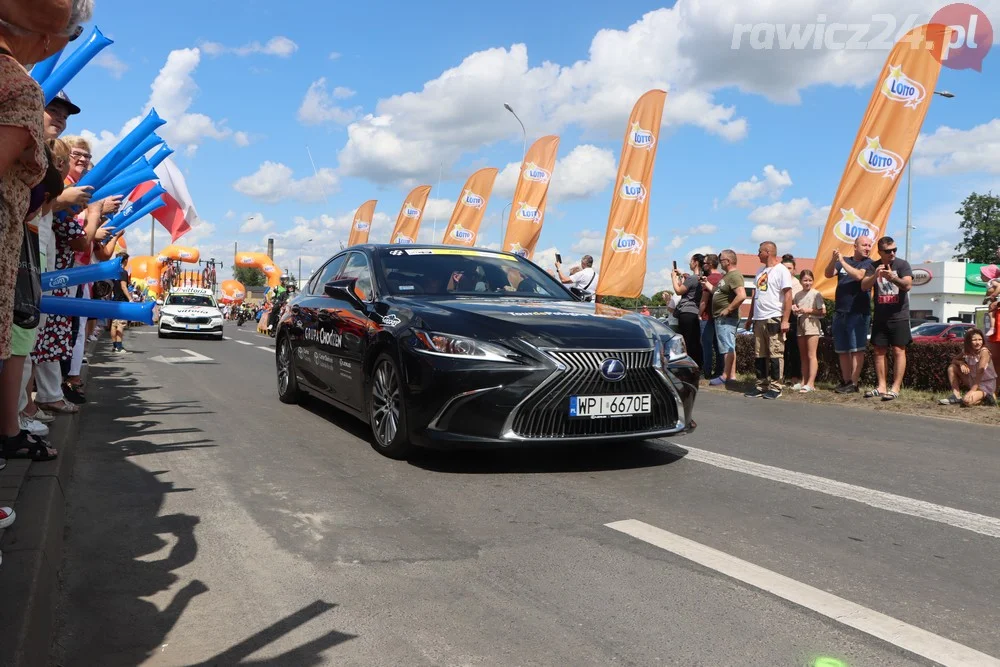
(809, 308)
(973, 369)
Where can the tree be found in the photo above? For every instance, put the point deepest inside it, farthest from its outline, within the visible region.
(250, 276)
(980, 229)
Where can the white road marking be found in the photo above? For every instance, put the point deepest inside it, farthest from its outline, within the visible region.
(264, 347)
(905, 636)
(243, 342)
(193, 357)
(976, 523)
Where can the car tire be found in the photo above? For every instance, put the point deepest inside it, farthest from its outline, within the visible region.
(386, 410)
(288, 386)
(160, 334)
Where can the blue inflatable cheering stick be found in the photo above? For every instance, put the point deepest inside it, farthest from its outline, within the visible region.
(77, 60)
(82, 274)
(98, 309)
(139, 151)
(98, 176)
(129, 207)
(43, 70)
(160, 155)
(126, 182)
(137, 215)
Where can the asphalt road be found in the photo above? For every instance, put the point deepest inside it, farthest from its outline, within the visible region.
(211, 524)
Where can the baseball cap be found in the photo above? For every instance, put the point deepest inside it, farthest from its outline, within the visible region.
(63, 98)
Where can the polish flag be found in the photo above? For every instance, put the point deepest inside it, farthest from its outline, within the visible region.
(179, 214)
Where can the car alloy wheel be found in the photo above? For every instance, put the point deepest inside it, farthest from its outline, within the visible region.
(288, 390)
(386, 410)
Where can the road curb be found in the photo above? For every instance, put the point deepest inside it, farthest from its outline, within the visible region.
(32, 547)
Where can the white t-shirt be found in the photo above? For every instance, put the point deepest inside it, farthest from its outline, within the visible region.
(585, 279)
(769, 285)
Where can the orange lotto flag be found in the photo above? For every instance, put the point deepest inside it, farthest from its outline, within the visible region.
(883, 145)
(463, 228)
(412, 212)
(623, 264)
(362, 225)
(524, 225)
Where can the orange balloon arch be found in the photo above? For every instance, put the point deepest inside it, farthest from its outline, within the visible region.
(259, 260)
(150, 270)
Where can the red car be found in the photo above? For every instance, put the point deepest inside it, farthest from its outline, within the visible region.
(939, 332)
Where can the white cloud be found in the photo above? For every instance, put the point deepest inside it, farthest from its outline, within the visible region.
(589, 242)
(241, 138)
(172, 94)
(703, 229)
(772, 185)
(343, 92)
(782, 236)
(700, 250)
(230, 214)
(951, 151)
(334, 55)
(794, 212)
(255, 224)
(274, 182)
(585, 171)
(318, 105)
(676, 242)
(942, 251)
(108, 60)
(279, 46)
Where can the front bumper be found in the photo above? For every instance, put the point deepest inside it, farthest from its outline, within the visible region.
(459, 404)
(179, 328)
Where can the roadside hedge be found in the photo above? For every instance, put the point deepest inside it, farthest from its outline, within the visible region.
(926, 363)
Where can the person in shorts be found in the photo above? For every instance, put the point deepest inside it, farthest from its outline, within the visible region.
(770, 310)
(119, 292)
(852, 312)
(892, 281)
(726, 298)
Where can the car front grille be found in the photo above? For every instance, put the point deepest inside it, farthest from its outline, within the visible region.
(193, 320)
(545, 413)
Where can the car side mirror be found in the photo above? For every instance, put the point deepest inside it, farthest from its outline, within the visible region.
(343, 290)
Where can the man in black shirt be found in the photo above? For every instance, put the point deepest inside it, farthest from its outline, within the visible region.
(851, 315)
(891, 323)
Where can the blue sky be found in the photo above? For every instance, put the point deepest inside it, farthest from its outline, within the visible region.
(386, 94)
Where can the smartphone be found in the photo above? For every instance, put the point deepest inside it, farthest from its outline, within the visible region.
(558, 258)
(675, 265)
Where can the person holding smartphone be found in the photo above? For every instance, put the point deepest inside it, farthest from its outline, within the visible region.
(892, 280)
(585, 279)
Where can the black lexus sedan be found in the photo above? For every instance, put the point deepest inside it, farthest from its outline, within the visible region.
(447, 347)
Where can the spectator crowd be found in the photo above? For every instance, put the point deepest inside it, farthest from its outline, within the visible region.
(47, 223)
(871, 304)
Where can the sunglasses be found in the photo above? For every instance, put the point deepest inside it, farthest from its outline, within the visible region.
(75, 33)
(891, 251)
(79, 155)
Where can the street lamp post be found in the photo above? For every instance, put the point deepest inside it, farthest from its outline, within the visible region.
(909, 184)
(503, 216)
(524, 152)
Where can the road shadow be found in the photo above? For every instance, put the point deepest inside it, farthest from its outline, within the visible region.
(120, 551)
(543, 459)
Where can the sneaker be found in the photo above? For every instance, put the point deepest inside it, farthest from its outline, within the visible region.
(951, 400)
(7, 516)
(33, 426)
(92, 338)
(715, 382)
(42, 416)
(848, 388)
(772, 394)
(754, 393)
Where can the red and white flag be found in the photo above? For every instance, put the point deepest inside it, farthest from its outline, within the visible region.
(179, 214)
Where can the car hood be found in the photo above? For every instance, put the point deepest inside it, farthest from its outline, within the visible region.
(190, 311)
(541, 322)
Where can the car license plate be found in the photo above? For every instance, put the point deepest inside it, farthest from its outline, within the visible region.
(620, 405)
(193, 327)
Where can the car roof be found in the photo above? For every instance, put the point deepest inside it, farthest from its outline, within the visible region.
(372, 247)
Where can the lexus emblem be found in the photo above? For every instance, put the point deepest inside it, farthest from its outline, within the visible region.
(612, 370)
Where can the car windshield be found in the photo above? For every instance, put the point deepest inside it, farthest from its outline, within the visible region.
(930, 329)
(465, 272)
(190, 300)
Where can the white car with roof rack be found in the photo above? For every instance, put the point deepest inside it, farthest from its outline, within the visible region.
(190, 311)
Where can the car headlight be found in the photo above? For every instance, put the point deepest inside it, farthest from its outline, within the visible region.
(671, 349)
(447, 345)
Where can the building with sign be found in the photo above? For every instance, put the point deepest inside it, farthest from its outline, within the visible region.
(947, 291)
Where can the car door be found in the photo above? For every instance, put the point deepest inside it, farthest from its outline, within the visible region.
(311, 314)
(352, 323)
